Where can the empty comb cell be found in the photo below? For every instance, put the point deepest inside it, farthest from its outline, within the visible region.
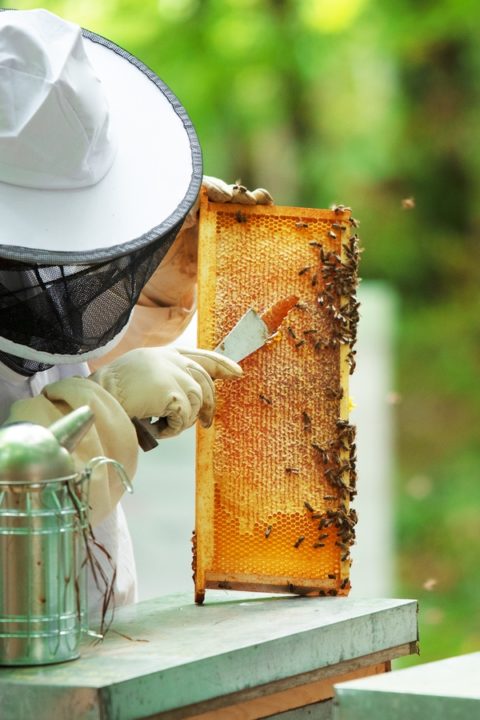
(275, 473)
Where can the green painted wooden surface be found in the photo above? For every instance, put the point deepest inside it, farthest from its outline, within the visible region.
(443, 690)
(182, 654)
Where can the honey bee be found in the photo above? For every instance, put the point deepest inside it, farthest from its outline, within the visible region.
(307, 422)
(340, 208)
(322, 452)
(303, 271)
(334, 394)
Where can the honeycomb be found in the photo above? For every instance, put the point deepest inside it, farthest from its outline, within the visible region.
(275, 473)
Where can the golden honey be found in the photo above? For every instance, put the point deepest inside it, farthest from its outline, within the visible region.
(276, 471)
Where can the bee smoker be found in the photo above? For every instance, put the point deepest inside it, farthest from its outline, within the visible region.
(43, 529)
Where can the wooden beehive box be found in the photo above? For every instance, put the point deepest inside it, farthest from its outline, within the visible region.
(276, 471)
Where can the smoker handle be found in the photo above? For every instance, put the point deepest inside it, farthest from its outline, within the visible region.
(101, 460)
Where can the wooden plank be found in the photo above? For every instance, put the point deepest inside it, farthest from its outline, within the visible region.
(316, 711)
(296, 691)
(258, 583)
(445, 690)
(267, 704)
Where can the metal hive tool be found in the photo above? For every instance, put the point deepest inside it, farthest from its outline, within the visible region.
(276, 472)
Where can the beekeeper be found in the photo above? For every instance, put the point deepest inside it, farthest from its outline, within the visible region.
(100, 171)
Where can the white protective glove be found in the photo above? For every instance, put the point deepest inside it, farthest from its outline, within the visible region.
(167, 383)
(221, 192)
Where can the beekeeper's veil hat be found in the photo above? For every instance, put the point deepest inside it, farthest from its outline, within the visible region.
(99, 165)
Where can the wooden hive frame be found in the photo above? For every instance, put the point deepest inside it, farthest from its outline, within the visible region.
(275, 473)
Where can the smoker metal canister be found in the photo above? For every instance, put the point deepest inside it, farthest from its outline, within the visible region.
(43, 522)
(42, 585)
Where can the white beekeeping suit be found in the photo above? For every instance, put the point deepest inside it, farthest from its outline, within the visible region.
(100, 171)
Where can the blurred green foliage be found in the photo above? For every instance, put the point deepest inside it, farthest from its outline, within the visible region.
(365, 103)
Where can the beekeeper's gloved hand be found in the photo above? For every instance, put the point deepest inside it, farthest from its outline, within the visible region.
(167, 383)
(221, 192)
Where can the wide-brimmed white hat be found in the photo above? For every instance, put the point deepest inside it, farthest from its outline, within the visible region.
(96, 154)
(99, 165)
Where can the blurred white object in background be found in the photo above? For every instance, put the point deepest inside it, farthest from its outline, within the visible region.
(161, 511)
(373, 392)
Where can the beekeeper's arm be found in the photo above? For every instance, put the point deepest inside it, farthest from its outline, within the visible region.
(146, 382)
(168, 301)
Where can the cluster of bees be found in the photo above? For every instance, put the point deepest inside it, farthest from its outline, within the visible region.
(342, 519)
(337, 295)
(339, 292)
(339, 460)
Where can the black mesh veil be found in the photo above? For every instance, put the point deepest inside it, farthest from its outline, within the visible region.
(72, 309)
